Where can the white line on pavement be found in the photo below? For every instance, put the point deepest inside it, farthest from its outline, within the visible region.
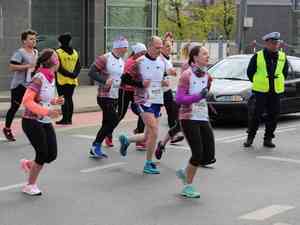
(6, 188)
(83, 136)
(230, 137)
(279, 159)
(93, 169)
(178, 147)
(266, 213)
(285, 130)
(281, 224)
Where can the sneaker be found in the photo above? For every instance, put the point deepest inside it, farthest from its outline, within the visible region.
(177, 139)
(97, 152)
(32, 190)
(8, 134)
(160, 149)
(124, 144)
(151, 168)
(189, 192)
(25, 165)
(109, 142)
(269, 144)
(181, 174)
(140, 146)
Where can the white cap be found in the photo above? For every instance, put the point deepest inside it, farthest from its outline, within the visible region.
(120, 42)
(273, 36)
(138, 47)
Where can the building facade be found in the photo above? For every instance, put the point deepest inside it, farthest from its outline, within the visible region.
(274, 15)
(93, 24)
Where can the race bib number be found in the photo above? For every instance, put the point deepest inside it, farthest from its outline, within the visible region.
(156, 93)
(200, 109)
(114, 89)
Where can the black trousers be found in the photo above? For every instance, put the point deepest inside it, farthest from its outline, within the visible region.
(15, 103)
(110, 118)
(67, 109)
(259, 104)
(171, 108)
(200, 137)
(43, 139)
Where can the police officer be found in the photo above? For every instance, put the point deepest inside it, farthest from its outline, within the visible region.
(267, 71)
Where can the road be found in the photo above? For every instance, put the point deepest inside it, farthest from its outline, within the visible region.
(255, 186)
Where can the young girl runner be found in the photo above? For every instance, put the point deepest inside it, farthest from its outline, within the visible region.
(36, 121)
(193, 114)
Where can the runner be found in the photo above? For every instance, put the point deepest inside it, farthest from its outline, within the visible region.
(107, 70)
(193, 114)
(22, 64)
(36, 121)
(128, 85)
(148, 101)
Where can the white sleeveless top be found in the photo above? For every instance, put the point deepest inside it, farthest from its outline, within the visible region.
(46, 94)
(115, 68)
(199, 109)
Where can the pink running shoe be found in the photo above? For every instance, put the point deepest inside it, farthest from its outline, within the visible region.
(25, 165)
(140, 146)
(32, 190)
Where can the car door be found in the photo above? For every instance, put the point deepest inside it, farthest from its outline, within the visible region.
(292, 93)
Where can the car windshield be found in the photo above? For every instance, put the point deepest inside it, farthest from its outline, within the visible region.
(230, 68)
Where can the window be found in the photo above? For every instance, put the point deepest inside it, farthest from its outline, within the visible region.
(51, 18)
(134, 19)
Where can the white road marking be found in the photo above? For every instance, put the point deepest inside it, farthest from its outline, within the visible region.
(93, 169)
(285, 130)
(9, 187)
(279, 159)
(266, 213)
(178, 147)
(230, 137)
(84, 136)
(281, 224)
(236, 139)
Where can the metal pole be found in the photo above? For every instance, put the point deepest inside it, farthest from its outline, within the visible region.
(241, 34)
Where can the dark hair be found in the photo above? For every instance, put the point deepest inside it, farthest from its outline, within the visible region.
(65, 38)
(194, 52)
(25, 34)
(44, 59)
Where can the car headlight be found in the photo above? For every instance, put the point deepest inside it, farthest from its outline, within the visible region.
(229, 98)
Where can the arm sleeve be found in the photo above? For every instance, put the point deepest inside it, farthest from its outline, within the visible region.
(182, 96)
(128, 79)
(30, 96)
(286, 69)
(95, 74)
(252, 67)
(77, 68)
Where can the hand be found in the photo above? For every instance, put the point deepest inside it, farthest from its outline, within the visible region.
(54, 113)
(60, 100)
(165, 83)
(172, 72)
(108, 83)
(146, 83)
(204, 93)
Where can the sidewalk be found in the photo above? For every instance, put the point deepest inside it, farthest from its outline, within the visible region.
(84, 100)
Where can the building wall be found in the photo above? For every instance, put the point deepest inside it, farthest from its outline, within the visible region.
(11, 26)
(269, 18)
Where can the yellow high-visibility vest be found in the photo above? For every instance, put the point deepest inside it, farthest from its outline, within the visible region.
(68, 62)
(261, 79)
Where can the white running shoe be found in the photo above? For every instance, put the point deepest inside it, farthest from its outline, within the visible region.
(32, 190)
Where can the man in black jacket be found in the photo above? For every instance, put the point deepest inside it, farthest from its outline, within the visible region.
(267, 71)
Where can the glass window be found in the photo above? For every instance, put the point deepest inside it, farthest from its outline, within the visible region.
(235, 68)
(295, 64)
(133, 19)
(51, 18)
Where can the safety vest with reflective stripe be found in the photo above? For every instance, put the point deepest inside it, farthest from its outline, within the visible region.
(261, 77)
(68, 62)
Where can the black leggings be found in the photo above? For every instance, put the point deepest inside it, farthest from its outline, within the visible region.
(200, 137)
(16, 100)
(110, 118)
(125, 98)
(43, 139)
(67, 109)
